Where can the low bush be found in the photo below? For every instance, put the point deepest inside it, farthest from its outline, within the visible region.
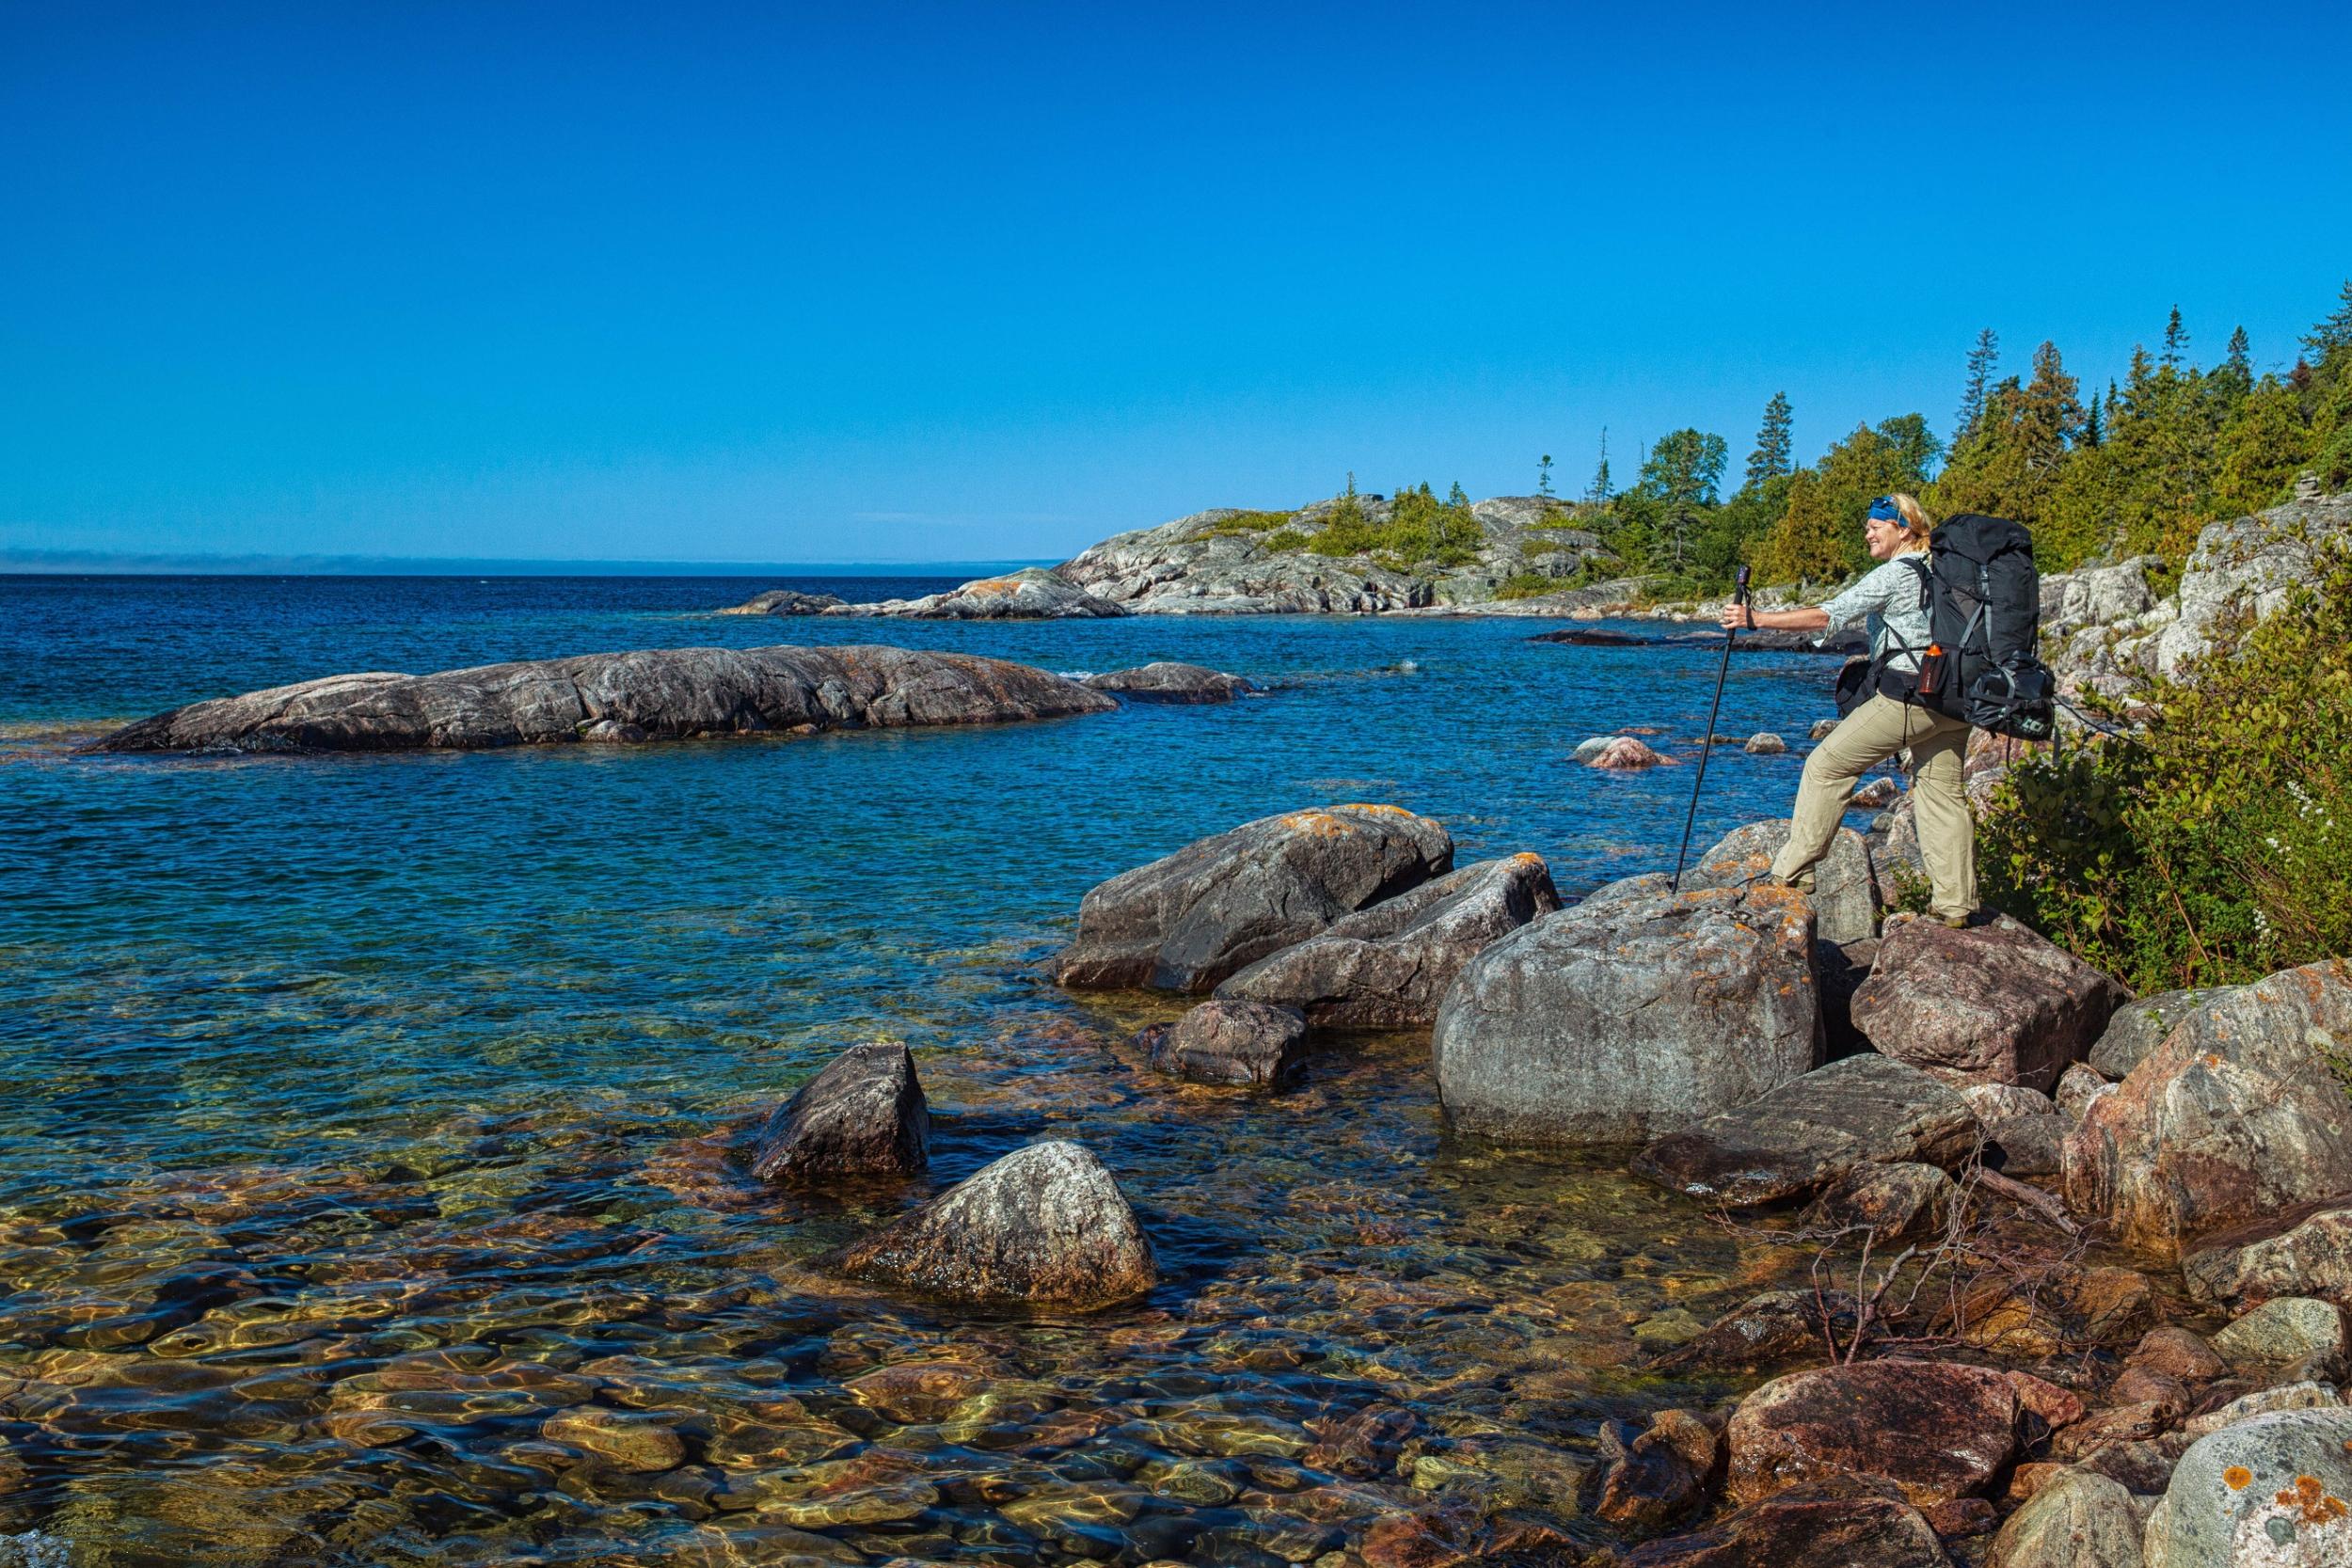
(2214, 845)
(1529, 585)
(1420, 530)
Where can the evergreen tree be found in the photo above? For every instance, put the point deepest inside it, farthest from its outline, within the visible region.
(1663, 515)
(1983, 361)
(1817, 537)
(2336, 331)
(2011, 464)
(2238, 359)
(2091, 420)
(2175, 341)
(2260, 451)
(1598, 492)
(1543, 476)
(1774, 444)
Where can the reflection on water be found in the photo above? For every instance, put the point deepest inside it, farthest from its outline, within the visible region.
(369, 1180)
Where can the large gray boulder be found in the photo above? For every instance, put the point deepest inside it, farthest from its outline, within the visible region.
(1813, 1131)
(785, 601)
(1846, 897)
(2235, 1117)
(1993, 1003)
(1167, 681)
(1032, 593)
(662, 692)
(1187, 921)
(1629, 1014)
(864, 1115)
(1387, 967)
(1045, 1223)
(2272, 1492)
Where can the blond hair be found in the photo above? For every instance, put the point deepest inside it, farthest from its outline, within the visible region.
(1917, 521)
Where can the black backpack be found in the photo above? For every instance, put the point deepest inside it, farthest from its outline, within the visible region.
(1983, 599)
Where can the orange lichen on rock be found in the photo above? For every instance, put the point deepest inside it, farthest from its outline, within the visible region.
(2314, 1502)
(2237, 1478)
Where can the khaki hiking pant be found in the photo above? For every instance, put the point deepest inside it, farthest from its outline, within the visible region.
(1868, 737)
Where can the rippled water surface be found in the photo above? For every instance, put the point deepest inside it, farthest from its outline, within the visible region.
(369, 1169)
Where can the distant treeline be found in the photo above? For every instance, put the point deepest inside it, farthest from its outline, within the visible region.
(2134, 468)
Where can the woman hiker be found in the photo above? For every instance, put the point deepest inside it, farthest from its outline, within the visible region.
(1885, 724)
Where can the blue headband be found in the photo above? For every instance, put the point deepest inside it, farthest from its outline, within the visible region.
(1884, 510)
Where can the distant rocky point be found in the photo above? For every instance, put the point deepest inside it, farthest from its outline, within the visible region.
(660, 693)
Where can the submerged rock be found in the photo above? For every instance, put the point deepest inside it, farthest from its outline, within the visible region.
(1845, 896)
(1812, 1130)
(1248, 1044)
(1632, 1013)
(1936, 1430)
(1045, 1223)
(864, 1115)
(1389, 966)
(1764, 743)
(1847, 1522)
(664, 692)
(1991, 1004)
(1170, 682)
(1660, 1475)
(2272, 1492)
(2233, 1117)
(1189, 920)
(1898, 1201)
(1777, 1325)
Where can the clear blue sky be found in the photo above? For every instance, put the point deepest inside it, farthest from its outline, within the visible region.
(776, 283)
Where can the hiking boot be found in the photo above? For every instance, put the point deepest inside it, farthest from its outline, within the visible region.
(1802, 881)
(1961, 922)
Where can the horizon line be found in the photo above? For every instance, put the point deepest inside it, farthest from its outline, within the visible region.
(126, 563)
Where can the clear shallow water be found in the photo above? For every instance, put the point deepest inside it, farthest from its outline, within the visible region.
(367, 1114)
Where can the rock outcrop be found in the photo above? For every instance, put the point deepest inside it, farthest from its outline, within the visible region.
(1936, 1430)
(1845, 897)
(864, 1115)
(1813, 1131)
(1167, 681)
(1241, 1044)
(1032, 593)
(2233, 1117)
(1387, 967)
(1187, 921)
(1045, 1223)
(2250, 566)
(2140, 1026)
(1632, 1013)
(785, 601)
(664, 694)
(1993, 1003)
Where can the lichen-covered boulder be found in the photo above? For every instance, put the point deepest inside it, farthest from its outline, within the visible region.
(1044, 1224)
(1169, 681)
(1240, 1044)
(1187, 921)
(1845, 896)
(1624, 754)
(2272, 1492)
(1629, 1014)
(864, 1115)
(1765, 744)
(1993, 1003)
(2303, 1251)
(1812, 1131)
(2299, 1335)
(2233, 1117)
(1387, 967)
(1937, 1429)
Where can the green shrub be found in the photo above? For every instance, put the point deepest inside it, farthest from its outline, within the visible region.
(2215, 845)
(1529, 585)
(1420, 529)
(1283, 541)
(1247, 522)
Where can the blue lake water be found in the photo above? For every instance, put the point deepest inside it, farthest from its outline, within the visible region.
(365, 1113)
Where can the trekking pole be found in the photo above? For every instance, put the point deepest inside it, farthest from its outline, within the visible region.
(1707, 743)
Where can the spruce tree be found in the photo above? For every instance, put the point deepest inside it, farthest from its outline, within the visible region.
(2238, 359)
(1542, 476)
(2175, 341)
(1599, 492)
(2336, 331)
(2091, 420)
(1982, 359)
(1773, 443)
